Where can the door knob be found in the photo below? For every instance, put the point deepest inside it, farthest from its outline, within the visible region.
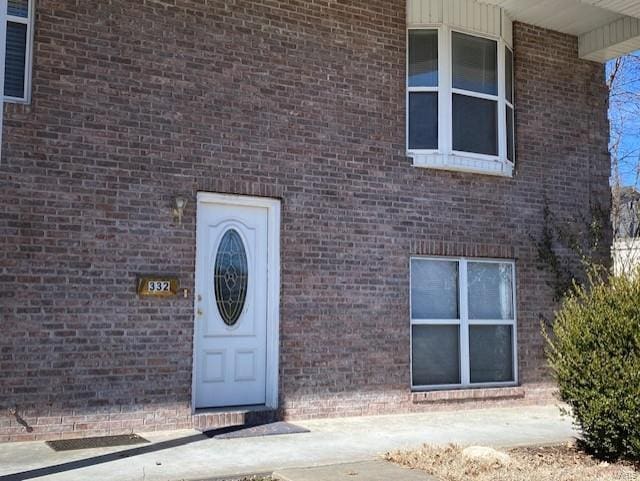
(199, 312)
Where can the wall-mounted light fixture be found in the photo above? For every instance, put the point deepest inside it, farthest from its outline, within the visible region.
(180, 203)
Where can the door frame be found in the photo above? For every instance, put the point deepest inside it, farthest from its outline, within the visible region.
(273, 288)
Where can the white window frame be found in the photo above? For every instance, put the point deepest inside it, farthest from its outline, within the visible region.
(464, 323)
(3, 39)
(29, 21)
(509, 104)
(445, 157)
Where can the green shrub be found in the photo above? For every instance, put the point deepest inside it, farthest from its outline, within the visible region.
(594, 353)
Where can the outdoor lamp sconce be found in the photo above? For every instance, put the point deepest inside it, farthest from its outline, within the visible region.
(180, 203)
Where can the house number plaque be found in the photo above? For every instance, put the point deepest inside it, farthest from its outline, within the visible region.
(158, 286)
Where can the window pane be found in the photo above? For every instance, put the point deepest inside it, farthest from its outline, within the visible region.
(508, 74)
(423, 120)
(19, 8)
(423, 58)
(436, 355)
(434, 289)
(15, 59)
(475, 64)
(490, 288)
(510, 138)
(475, 125)
(491, 353)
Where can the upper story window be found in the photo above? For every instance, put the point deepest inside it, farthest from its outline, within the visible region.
(460, 106)
(18, 53)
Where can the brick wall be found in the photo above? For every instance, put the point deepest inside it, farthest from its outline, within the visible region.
(135, 103)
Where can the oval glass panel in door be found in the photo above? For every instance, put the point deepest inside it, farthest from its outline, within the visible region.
(230, 277)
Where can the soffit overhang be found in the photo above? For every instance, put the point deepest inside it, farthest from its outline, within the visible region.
(606, 28)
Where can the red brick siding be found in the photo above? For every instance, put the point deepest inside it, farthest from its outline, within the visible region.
(135, 103)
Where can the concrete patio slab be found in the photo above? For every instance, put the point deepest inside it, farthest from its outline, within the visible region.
(362, 471)
(188, 455)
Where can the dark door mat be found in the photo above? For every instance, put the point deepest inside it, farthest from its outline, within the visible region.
(271, 429)
(97, 442)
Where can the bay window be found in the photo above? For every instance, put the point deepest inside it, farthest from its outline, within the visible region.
(460, 105)
(463, 323)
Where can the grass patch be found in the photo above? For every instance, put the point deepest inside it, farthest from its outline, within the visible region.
(252, 478)
(553, 463)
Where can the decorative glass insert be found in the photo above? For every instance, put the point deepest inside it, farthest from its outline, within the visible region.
(231, 277)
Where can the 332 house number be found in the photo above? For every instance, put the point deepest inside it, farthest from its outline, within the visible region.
(159, 286)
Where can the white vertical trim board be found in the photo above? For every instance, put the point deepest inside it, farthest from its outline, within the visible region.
(502, 103)
(507, 29)
(445, 101)
(425, 12)
(463, 300)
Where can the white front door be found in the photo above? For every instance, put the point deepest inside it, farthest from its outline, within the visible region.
(232, 302)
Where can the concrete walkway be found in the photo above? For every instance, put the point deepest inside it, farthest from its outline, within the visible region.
(188, 455)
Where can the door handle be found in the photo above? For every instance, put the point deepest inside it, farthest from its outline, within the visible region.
(199, 312)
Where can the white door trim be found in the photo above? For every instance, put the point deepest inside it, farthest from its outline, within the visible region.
(273, 289)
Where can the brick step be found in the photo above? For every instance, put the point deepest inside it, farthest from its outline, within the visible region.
(208, 419)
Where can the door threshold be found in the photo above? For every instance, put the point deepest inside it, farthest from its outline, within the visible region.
(251, 408)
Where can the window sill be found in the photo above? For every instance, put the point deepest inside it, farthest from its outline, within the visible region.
(459, 163)
(482, 394)
(16, 100)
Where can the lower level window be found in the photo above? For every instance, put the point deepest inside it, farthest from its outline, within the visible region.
(463, 326)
